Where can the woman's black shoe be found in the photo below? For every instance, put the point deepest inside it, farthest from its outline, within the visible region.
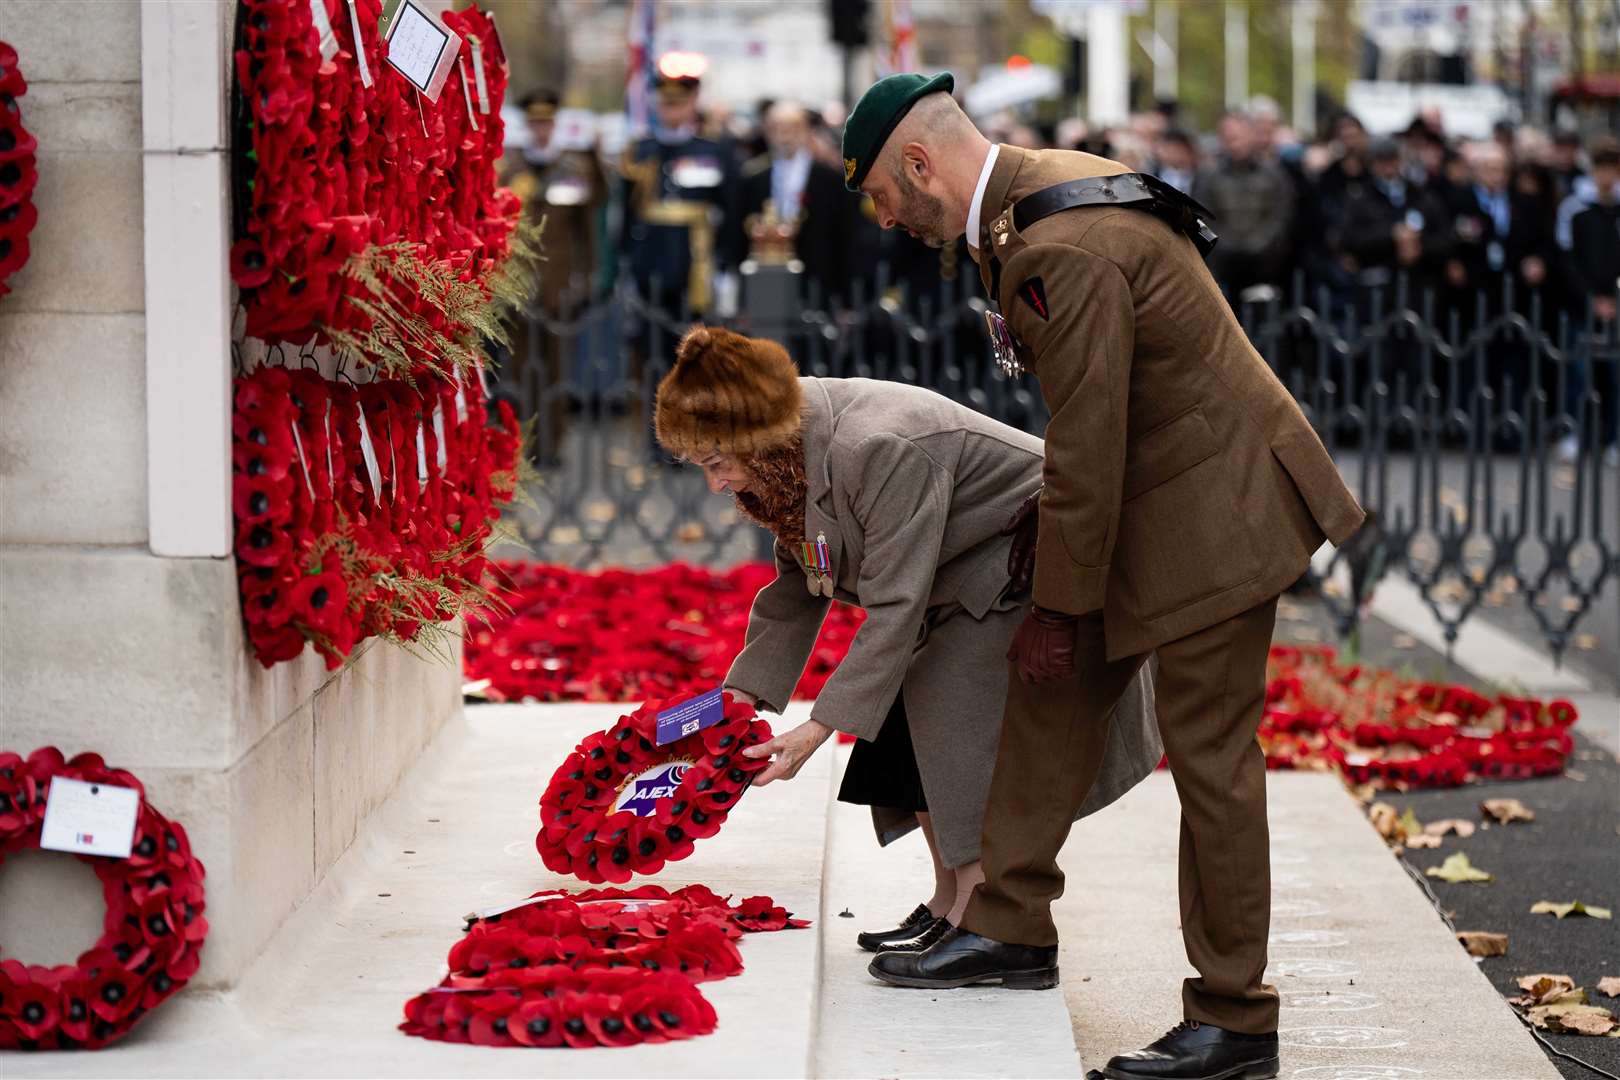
(963, 958)
(938, 929)
(1195, 1051)
(915, 924)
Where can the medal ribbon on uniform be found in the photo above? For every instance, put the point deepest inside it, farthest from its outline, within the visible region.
(1002, 346)
(817, 560)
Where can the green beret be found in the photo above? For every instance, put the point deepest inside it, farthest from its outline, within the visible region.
(877, 114)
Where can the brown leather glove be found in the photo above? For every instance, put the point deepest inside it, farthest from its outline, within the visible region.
(1023, 527)
(1043, 647)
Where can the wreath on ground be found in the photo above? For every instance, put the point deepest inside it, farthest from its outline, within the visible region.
(154, 928)
(620, 804)
(605, 967)
(17, 172)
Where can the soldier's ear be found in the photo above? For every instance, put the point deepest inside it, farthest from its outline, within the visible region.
(915, 161)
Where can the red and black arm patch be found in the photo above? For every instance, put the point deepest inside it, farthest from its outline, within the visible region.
(1032, 291)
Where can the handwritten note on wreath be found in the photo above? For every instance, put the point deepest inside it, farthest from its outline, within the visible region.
(421, 48)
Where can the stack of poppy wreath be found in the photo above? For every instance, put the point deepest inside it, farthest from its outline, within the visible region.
(154, 928)
(605, 967)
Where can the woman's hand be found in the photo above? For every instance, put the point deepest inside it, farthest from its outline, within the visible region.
(792, 749)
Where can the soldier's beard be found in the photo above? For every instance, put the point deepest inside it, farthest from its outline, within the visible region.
(776, 491)
(923, 214)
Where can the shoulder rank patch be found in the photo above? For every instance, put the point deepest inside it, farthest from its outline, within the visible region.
(1033, 293)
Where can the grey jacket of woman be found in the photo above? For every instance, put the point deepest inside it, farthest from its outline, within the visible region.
(910, 491)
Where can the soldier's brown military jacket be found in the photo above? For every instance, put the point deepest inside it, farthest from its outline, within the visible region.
(1182, 483)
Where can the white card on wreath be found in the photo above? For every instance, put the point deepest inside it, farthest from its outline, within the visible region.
(421, 48)
(90, 819)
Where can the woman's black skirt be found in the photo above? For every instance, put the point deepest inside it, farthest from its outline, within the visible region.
(884, 772)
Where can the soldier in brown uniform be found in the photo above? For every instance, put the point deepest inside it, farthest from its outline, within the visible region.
(1184, 490)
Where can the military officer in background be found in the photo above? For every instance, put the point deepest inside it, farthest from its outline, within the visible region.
(562, 184)
(681, 228)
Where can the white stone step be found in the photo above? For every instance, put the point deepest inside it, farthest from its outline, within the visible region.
(1372, 982)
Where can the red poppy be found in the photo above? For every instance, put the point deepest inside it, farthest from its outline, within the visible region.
(762, 913)
(319, 601)
(490, 1019)
(535, 1022)
(32, 1007)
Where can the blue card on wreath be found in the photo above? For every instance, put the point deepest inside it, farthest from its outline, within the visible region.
(689, 717)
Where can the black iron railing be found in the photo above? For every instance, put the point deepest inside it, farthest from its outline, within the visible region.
(1477, 439)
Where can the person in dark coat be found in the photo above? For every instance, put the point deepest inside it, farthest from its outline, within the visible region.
(1253, 200)
(806, 191)
(1501, 233)
(1591, 264)
(1392, 228)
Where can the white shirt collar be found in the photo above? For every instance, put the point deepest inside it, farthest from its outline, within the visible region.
(978, 195)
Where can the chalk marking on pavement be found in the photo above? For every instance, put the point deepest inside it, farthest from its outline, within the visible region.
(1312, 968)
(1358, 1072)
(1329, 1001)
(1341, 1038)
(1308, 939)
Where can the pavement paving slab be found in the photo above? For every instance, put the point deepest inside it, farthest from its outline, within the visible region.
(1373, 985)
(868, 1028)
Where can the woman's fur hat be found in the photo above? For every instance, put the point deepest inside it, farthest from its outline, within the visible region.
(738, 395)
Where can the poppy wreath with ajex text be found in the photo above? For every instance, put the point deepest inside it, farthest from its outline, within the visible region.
(153, 932)
(584, 830)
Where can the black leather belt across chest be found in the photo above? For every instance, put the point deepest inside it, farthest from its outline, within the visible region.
(1135, 191)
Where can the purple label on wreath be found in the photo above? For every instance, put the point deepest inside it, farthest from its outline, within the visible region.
(641, 792)
(689, 717)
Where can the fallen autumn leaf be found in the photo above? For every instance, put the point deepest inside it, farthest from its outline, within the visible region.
(1450, 825)
(1457, 869)
(1574, 907)
(1483, 943)
(1542, 989)
(1507, 810)
(1573, 1019)
(1609, 986)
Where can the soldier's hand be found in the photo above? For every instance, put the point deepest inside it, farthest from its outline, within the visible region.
(1024, 528)
(1043, 647)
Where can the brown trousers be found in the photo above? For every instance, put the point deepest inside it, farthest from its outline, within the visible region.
(1211, 687)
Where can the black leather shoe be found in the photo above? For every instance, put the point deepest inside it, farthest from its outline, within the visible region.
(1195, 1051)
(936, 930)
(963, 958)
(915, 924)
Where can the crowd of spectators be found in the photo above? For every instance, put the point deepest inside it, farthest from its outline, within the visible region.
(1460, 230)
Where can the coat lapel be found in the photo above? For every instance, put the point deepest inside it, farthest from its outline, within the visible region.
(819, 516)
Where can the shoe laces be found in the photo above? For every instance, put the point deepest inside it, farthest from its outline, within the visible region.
(1185, 1025)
